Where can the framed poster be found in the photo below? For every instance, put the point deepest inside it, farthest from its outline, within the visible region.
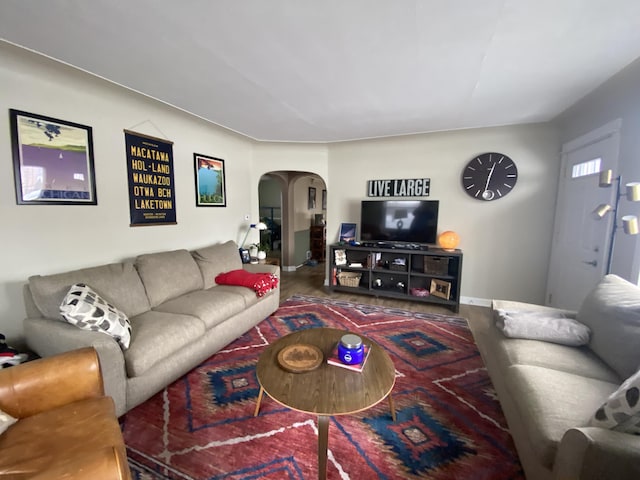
(312, 199)
(324, 199)
(152, 199)
(347, 232)
(52, 161)
(210, 181)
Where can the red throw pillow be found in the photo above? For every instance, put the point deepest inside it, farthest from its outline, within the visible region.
(261, 283)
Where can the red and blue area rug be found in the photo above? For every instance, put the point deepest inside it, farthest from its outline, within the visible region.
(449, 422)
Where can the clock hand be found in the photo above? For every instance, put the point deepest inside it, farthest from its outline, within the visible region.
(486, 187)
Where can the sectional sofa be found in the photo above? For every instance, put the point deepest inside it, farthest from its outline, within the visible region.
(178, 316)
(573, 411)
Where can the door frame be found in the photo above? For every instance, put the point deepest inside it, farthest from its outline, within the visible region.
(610, 129)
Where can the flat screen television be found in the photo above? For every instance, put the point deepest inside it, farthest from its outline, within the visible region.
(409, 221)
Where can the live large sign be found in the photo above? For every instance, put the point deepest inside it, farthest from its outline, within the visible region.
(408, 187)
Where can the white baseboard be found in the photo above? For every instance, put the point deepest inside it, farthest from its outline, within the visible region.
(481, 302)
(289, 268)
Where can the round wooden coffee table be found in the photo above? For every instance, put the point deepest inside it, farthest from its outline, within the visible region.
(327, 390)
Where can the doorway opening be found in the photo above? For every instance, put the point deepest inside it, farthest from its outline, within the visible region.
(293, 204)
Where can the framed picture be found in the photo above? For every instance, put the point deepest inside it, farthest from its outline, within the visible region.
(347, 232)
(52, 161)
(440, 288)
(210, 181)
(324, 199)
(312, 198)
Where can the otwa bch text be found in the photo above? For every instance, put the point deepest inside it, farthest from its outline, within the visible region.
(150, 192)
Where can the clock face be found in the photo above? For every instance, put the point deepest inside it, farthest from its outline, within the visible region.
(489, 176)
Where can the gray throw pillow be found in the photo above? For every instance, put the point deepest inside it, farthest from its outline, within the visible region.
(87, 310)
(612, 312)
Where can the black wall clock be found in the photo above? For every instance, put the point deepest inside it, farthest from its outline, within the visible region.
(489, 176)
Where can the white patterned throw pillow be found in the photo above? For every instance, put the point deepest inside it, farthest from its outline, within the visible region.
(621, 411)
(85, 309)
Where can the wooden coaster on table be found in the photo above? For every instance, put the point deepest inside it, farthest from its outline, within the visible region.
(300, 358)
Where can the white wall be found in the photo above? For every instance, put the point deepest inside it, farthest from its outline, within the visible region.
(619, 97)
(50, 239)
(505, 242)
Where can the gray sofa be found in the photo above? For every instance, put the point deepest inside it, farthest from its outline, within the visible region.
(549, 392)
(179, 316)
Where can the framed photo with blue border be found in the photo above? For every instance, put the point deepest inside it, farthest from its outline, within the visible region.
(210, 181)
(347, 232)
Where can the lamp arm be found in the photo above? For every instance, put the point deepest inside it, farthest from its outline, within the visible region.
(245, 237)
(259, 226)
(612, 240)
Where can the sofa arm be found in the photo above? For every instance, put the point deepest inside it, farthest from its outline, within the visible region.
(591, 453)
(49, 337)
(49, 383)
(262, 268)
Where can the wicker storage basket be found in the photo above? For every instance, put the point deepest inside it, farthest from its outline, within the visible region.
(436, 265)
(349, 279)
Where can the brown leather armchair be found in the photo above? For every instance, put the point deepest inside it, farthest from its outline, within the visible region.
(66, 428)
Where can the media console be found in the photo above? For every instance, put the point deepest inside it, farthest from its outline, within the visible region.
(404, 271)
(394, 245)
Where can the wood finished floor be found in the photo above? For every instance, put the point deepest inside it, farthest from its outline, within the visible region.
(308, 280)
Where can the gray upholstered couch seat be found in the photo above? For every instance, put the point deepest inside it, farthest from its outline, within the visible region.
(179, 316)
(549, 392)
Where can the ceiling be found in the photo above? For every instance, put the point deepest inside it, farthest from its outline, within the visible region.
(299, 70)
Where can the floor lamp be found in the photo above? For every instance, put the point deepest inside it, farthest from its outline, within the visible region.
(629, 222)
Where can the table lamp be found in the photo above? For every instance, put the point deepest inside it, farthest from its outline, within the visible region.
(244, 253)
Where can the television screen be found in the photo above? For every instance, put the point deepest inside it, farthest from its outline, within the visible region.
(411, 221)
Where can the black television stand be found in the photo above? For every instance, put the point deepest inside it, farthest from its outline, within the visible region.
(395, 245)
(384, 269)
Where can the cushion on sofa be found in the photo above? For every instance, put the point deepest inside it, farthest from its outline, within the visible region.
(248, 295)
(216, 259)
(550, 402)
(551, 327)
(612, 312)
(41, 443)
(211, 306)
(87, 310)
(117, 283)
(621, 411)
(157, 335)
(177, 265)
(577, 360)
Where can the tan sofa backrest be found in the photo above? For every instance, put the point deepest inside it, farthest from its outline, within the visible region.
(117, 283)
(216, 259)
(167, 275)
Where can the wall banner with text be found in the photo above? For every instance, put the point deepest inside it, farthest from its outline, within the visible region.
(150, 172)
(406, 187)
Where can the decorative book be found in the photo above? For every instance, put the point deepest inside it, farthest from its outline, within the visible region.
(333, 359)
